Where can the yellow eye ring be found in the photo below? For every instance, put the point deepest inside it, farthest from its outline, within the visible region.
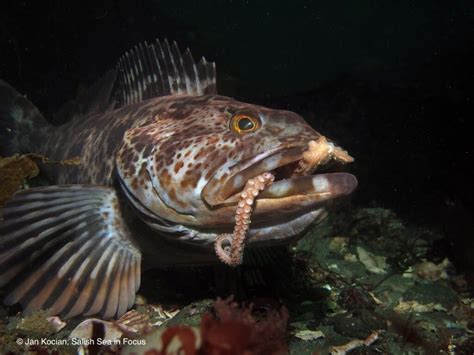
(243, 123)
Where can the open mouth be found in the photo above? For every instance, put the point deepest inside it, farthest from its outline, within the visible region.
(310, 170)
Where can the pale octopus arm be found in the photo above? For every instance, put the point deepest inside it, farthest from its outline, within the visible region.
(232, 254)
(319, 152)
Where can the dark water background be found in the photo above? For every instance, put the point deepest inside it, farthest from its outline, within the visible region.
(392, 82)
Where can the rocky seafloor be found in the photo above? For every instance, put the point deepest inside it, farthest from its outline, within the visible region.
(361, 282)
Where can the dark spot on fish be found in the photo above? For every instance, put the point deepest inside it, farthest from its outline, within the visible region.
(201, 154)
(165, 178)
(148, 150)
(125, 155)
(212, 139)
(178, 166)
(135, 183)
(172, 194)
(170, 149)
(208, 175)
(184, 184)
(143, 173)
(139, 145)
(191, 179)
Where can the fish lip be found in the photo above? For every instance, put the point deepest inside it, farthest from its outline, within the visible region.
(217, 192)
(242, 165)
(322, 186)
(270, 160)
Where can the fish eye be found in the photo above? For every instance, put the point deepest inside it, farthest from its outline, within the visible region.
(243, 123)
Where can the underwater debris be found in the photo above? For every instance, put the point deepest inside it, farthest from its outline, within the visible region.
(362, 302)
(237, 327)
(339, 244)
(464, 312)
(232, 330)
(191, 314)
(14, 171)
(431, 271)
(424, 336)
(56, 322)
(414, 306)
(38, 322)
(161, 315)
(38, 157)
(355, 298)
(374, 263)
(353, 344)
(25, 335)
(309, 335)
(133, 322)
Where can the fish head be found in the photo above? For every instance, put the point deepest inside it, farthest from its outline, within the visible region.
(188, 166)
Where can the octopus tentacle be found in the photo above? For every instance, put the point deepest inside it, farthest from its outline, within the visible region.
(318, 153)
(230, 247)
(232, 253)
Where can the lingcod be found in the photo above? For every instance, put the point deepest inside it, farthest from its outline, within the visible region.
(170, 174)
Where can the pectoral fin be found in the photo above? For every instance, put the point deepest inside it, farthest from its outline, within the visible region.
(66, 249)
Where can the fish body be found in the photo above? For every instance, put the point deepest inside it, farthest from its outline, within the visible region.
(157, 145)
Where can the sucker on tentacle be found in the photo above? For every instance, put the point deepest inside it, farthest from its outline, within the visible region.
(232, 254)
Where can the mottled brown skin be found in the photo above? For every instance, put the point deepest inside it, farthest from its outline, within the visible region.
(178, 161)
(96, 139)
(189, 144)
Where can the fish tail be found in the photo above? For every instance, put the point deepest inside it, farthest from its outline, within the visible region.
(22, 126)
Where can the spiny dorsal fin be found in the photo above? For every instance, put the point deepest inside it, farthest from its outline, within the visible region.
(97, 98)
(159, 69)
(147, 71)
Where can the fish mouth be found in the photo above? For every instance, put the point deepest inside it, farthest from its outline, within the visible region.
(300, 178)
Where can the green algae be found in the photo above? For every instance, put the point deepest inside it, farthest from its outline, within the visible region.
(37, 322)
(368, 298)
